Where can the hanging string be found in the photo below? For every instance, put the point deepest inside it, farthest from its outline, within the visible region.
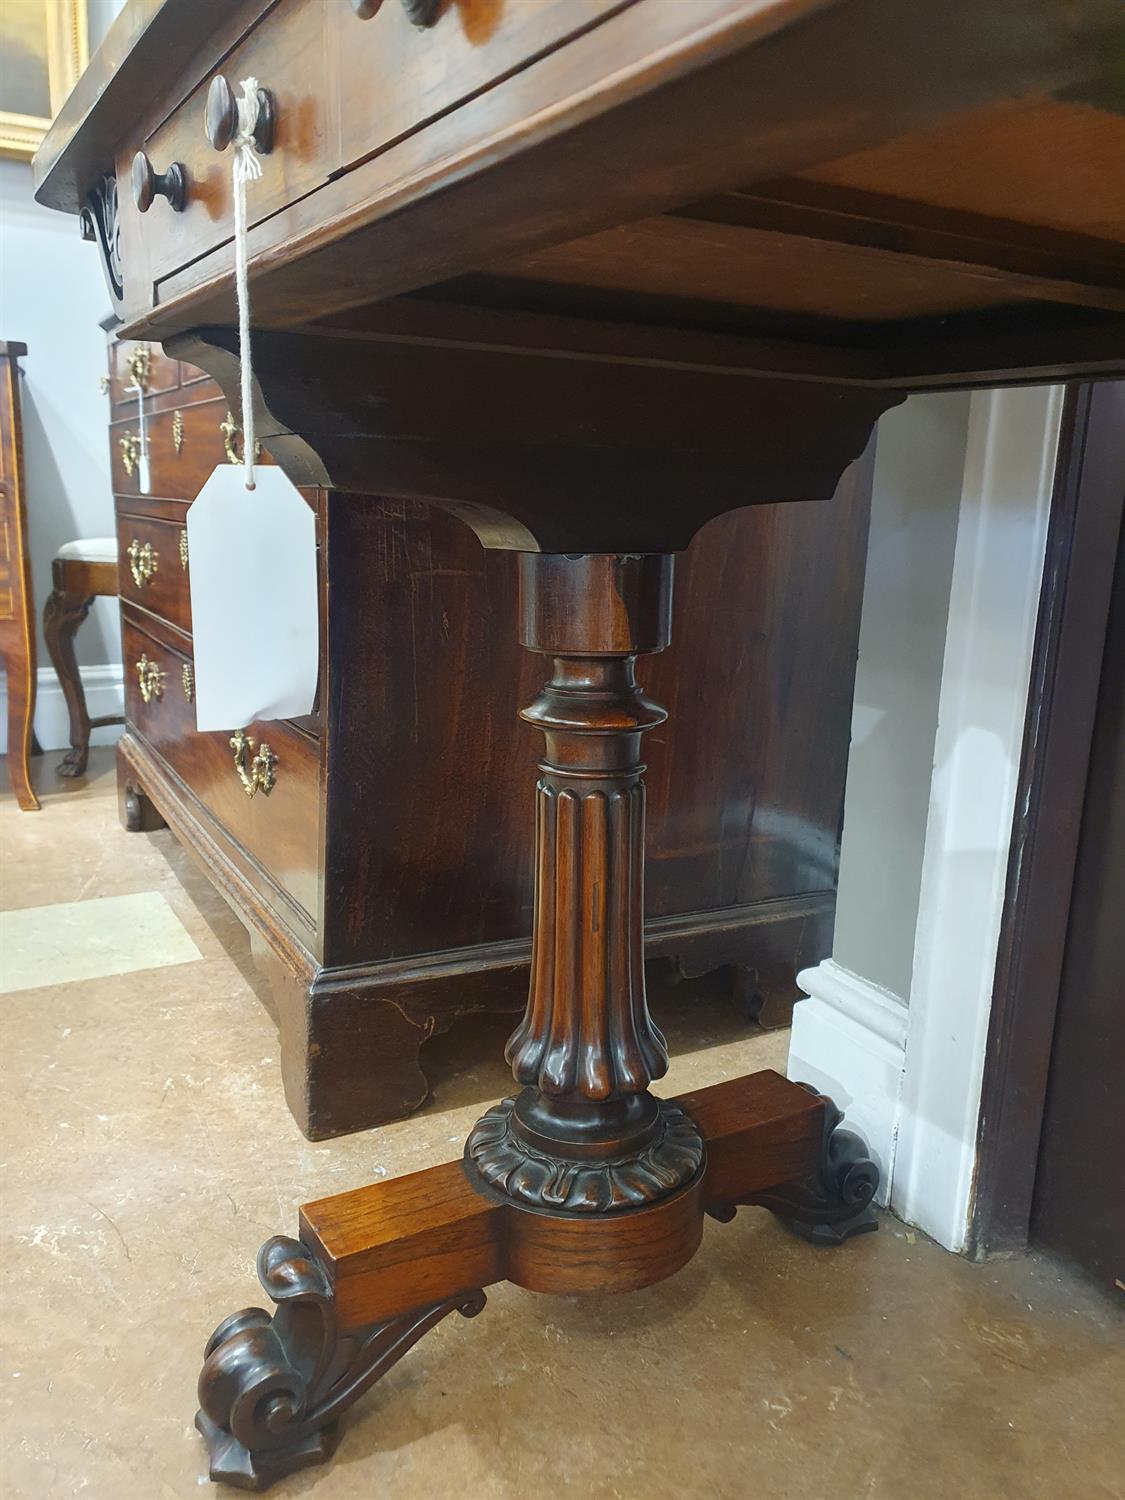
(247, 168)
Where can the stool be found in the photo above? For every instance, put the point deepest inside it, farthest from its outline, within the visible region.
(81, 571)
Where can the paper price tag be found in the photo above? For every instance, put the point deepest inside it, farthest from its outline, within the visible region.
(253, 599)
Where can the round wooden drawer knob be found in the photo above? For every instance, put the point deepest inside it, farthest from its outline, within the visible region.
(222, 116)
(420, 12)
(149, 184)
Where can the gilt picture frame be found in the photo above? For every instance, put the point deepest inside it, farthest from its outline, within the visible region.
(44, 47)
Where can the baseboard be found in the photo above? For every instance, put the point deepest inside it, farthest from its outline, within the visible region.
(850, 1029)
(105, 695)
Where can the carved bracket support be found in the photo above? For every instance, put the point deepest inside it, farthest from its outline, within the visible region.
(101, 222)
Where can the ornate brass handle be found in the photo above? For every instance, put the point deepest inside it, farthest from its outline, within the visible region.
(150, 678)
(178, 431)
(130, 445)
(187, 677)
(142, 561)
(256, 775)
(230, 430)
(183, 548)
(139, 366)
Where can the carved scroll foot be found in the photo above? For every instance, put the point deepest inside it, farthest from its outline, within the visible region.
(272, 1389)
(831, 1204)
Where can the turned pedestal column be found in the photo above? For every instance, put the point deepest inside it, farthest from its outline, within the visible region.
(586, 1135)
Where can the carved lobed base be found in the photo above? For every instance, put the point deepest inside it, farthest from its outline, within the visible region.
(510, 1165)
(377, 1268)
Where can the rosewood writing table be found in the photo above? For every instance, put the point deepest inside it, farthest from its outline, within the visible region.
(588, 273)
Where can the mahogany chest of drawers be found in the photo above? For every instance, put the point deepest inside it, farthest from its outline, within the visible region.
(386, 875)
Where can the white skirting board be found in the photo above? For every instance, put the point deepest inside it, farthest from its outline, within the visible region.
(849, 1040)
(105, 694)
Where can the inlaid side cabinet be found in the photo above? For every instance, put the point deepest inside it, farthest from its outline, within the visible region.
(380, 850)
(17, 609)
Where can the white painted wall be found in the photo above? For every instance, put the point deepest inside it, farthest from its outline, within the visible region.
(896, 1023)
(99, 15)
(52, 296)
(849, 1037)
(916, 493)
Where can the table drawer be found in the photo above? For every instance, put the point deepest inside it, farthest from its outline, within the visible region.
(287, 55)
(184, 445)
(396, 76)
(278, 829)
(152, 566)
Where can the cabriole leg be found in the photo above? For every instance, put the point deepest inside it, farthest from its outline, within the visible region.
(63, 613)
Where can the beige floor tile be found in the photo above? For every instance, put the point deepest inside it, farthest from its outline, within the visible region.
(148, 1151)
(74, 940)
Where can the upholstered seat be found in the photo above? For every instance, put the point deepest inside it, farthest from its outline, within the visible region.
(94, 549)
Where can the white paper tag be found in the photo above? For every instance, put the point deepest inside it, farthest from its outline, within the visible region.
(253, 599)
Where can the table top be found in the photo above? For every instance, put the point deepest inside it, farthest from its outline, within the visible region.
(872, 191)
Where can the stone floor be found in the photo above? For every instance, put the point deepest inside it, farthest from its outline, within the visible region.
(148, 1152)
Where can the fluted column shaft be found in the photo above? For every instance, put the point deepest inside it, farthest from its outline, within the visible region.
(587, 1033)
(586, 1133)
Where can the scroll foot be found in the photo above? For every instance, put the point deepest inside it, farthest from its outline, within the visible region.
(273, 1388)
(831, 1204)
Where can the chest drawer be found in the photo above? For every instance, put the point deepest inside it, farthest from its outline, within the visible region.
(277, 829)
(131, 360)
(396, 76)
(184, 445)
(286, 53)
(152, 566)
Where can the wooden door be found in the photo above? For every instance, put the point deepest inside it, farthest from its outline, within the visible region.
(1079, 1204)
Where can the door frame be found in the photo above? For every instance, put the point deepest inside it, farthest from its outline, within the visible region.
(1087, 511)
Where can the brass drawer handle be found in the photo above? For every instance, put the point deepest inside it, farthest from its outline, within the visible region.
(130, 445)
(221, 117)
(149, 184)
(150, 678)
(230, 430)
(256, 775)
(178, 432)
(142, 562)
(187, 677)
(139, 366)
(183, 548)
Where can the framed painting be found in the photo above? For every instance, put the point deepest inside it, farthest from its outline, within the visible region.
(43, 49)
